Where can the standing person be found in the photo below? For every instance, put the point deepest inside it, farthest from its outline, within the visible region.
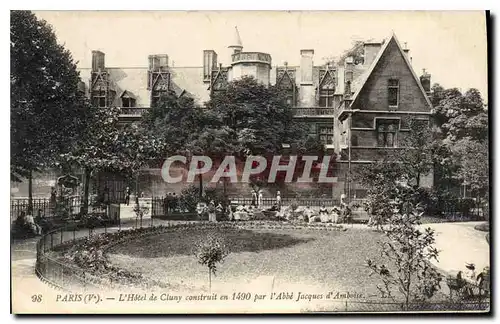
(127, 196)
(260, 198)
(53, 196)
(335, 215)
(169, 202)
(470, 277)
(211, 212)
(342, 200)
(278, 200)
(254, 197)
(174, 202)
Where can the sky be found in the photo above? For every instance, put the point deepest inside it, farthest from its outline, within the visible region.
(450, 45)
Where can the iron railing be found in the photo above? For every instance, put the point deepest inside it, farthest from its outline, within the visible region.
(313, 111)
(132, 112)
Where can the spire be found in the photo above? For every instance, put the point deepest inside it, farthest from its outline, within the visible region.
(236, 44)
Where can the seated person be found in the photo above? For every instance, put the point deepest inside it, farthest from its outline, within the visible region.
(335, 215)
(323, 210)
(323, 214)
(34, 226)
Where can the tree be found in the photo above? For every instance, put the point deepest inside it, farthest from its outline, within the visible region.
(381, 180)
(461, 148)
(256, 120)
(473, 165)
(47, 109)
(406, 166)
(175, 121)
(460, 115)
(210, 251)
(416, 155)
(407, 251)
(109, 146)
(259, 118)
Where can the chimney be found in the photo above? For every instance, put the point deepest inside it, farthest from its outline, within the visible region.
(348, 76)
(158, 62)
(406, 50)
(425, 80)
(97, 61)
(209, 64)
(306, 66)
(371, 50)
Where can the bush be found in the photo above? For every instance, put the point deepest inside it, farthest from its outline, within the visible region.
(483, 227)
(214, 194)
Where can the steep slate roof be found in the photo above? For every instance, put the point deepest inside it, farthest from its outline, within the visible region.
(359, 82)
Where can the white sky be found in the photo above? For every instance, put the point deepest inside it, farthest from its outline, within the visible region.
(450, 45)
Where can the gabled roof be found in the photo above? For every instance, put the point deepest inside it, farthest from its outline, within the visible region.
(128, 94)
(364, 78)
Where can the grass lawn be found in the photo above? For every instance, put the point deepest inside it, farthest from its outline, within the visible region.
(318, 260)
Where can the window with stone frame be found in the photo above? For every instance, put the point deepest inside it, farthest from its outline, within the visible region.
(326, 98)
(393, 92)
(99, 98)
(325, 134)
(387, 132)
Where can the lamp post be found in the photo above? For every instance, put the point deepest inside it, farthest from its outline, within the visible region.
(349, 158)
(189, 156)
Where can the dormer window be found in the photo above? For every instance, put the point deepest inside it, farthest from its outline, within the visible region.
(327, 86)
(128, 99)
(393, 93)
(285, 80)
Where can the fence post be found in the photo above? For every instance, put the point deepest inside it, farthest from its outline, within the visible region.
(346, 305)
(62, 231)
(51, 240)
(74, 233)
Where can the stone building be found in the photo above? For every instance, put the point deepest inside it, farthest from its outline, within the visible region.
(356, 108)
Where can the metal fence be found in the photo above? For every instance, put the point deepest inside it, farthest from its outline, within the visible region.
(43, 207)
